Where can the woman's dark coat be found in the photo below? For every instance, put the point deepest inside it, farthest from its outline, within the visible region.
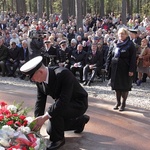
(121, 63)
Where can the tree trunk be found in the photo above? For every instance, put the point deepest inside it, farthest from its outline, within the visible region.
(65, 11)
(47, 8)
(123, 15)
(128, 7)
(21, 7)
(131, 6)
(35, 6)
(138, 6)
(84, 3)
(71, 7)
(79, 16)
(51, 6)
(30, 6)
(102, 8)
(39, 9)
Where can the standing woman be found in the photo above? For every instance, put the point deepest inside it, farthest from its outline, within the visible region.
(143, 61)
(122, 60)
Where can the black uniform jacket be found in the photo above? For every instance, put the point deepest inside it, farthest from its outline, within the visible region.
(3, 53)
(65, 90)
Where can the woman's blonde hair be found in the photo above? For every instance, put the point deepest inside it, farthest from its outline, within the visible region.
(123, 30)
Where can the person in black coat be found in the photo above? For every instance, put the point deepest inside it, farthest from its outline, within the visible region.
(36, 44)
(122, 62)
(134, 35)
(49, 53)
(70, 100)
(93, 64)
(3, 25)
(63, 55)
(3, 56)
(12, 62)
(77, 61)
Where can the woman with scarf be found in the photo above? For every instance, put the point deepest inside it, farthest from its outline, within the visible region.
(143, 61)
(122, 61)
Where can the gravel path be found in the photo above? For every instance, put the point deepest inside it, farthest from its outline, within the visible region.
(139, 96)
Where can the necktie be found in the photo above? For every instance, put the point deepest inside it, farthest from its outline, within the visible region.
(24, 53)
(44, 88)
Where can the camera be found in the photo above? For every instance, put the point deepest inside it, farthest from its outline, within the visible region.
(36, 34)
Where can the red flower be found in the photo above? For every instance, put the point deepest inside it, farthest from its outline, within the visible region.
(10, 123)
(4, 111)
(8, 115)
(25, 123)
(17, 147)
(22, 117)
(15, 115)
(18, 123)
(2, 104)
(1, 117)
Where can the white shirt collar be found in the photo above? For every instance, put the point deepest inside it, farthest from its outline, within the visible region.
(47, 77)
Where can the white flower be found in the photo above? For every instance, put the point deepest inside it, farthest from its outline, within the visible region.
(24, 129)
(29, 120)
(4, 142)
(7, 128)
(2, 148)
(38, 142)
(12, 108)
(7, 132)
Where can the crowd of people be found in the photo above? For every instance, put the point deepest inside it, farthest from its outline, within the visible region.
(82, 50)
(122, 51)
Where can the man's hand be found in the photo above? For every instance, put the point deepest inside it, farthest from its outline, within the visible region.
(130, 74)
(39, 121)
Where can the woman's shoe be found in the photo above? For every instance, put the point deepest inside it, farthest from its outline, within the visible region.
(116, 106)
(121, 108)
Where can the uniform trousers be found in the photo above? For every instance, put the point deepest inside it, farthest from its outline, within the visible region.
(70, 119)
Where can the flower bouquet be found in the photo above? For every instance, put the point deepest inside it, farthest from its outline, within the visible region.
(16, 129)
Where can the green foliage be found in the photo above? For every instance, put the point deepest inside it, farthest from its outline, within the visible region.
(145, 9)
(57, 6)
(20, 109)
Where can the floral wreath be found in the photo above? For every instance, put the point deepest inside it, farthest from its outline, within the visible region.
(16, 129)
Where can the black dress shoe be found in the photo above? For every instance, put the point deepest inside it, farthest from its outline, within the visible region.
(56, 145)
(122, 108)
(14, 75)
(10, 75)
(89, 83)
(84, 83)
(116, 106)
(85, 120)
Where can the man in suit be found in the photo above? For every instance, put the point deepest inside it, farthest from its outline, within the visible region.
(24, 55)
(3, 25)
(77, 61)
(12, 62)
(70, 100)
(94, 63)
(134, 35)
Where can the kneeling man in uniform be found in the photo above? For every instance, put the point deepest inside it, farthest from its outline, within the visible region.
(70, 100)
